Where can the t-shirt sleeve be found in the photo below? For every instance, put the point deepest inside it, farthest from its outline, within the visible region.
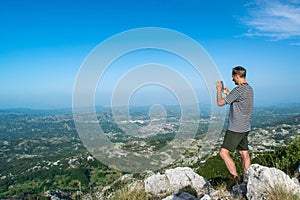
(232, 96)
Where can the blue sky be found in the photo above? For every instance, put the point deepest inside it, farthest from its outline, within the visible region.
(44, 43)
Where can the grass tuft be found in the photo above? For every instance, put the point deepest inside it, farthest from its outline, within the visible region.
(126, 193)
(279, 193)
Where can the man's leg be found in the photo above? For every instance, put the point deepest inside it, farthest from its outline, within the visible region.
(225, 155)
(246, 160)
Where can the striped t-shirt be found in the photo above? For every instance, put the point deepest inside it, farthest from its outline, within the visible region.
(241, 108)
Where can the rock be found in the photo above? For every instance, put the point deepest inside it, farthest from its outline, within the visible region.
(176, 181)
(172, 197)
(296, 181)
(239, 190)
(182, 196)
(184, 178)
(261, 181)
(157, 184)
(205, 197)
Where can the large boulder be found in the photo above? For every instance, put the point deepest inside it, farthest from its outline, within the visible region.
(176, 181)
(262, 181)
(157, 184)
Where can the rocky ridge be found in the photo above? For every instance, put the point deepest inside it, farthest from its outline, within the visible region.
(182, 183)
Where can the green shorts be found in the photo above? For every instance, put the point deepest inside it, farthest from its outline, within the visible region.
(235, 141)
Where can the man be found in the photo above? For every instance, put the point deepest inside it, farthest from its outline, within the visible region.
(241, 108)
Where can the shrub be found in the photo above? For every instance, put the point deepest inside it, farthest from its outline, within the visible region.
(286, 158)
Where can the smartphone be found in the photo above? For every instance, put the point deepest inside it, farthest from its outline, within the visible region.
(222, 85)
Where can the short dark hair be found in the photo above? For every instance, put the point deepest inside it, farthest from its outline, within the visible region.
(241, 71)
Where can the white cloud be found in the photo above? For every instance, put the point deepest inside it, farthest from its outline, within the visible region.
(273, 19)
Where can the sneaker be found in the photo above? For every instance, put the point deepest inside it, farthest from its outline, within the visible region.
(237, 180)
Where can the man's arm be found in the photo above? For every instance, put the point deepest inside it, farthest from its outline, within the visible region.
(220, 100)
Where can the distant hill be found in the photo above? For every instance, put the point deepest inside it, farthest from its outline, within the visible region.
(44, 112)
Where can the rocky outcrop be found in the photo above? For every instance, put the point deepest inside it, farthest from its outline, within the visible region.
(261, 181)
(176, 181)
(183, 183)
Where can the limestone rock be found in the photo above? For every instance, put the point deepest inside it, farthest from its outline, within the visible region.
(157, 184)
(176, 181)
(262, 180)
(184, 178)
(205, 197)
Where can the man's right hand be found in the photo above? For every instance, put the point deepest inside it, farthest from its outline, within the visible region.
(226, 91)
